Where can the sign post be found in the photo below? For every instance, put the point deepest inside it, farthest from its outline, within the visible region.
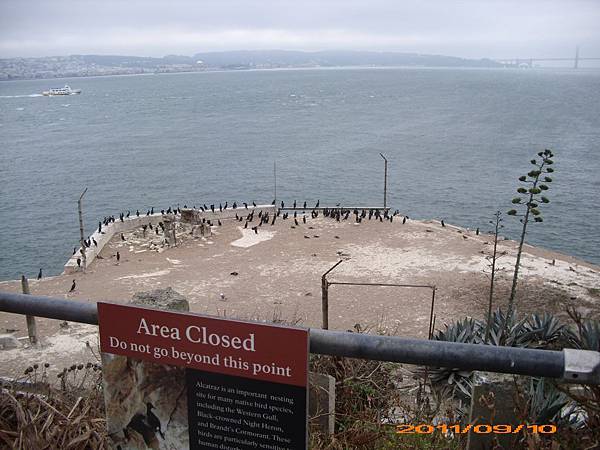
(180, 380)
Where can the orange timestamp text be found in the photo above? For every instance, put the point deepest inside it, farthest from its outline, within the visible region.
(481, 428)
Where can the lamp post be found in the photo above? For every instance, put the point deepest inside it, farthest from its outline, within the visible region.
(384, 181)
(81, 240)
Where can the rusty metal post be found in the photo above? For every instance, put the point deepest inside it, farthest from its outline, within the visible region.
(325, 303)
(325, 296)
(31, 327)
(430, 334)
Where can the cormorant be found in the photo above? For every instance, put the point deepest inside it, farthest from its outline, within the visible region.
(118, 256)
(303, 219)
(404, 220)
(304, 207)
(294, 204)
(73, 286)
(79, 262)
(153, 420)
(443, 224)
(254, 204)
(219, 222)
(40, 274)
(95, 243)
(296, 221)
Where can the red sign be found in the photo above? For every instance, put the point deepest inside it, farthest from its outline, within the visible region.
(245, 349)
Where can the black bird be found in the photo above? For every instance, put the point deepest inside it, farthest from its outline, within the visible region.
(295, 214)
(404, 220)
(212, 208)
(153, 420)
(317, 205)
(40, 274)
(255, 228)
(245, 205)
(273, 202)
(74, 250)
(137, 212)
(443, 224)
(219, 222)
(118, 257)
(140, 424)
(99, 227)
(254, 204)
(294, 204)
(122, 237)
(225, 207)
(128, 212)
(303, 219)
(304, 205)
(246, 225)
(237, 217)
(205, 207)
(477, 231)
(296, 221)
(234, 205)
(220, 207)
(273, 222)
(156, 229)
(79, 262)
(282, 204)
(148, 212)
(95, 243)
(150, 225)
(73, 286)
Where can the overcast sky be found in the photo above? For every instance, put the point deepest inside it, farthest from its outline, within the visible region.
(468, 28)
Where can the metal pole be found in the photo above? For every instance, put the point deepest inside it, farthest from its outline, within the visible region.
(81, 239)
(275, 181)
(325, 303)
(325, 296)
(430, 334)
(31, 328)
(580, 366)
(384, 180)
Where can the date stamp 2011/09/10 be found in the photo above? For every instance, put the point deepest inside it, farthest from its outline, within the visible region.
(478, 429)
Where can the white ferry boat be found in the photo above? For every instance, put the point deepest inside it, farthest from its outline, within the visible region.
(62, 91)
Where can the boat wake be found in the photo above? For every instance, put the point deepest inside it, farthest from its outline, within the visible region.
(21, 96)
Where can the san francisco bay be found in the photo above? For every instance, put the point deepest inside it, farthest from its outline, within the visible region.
(456, 141)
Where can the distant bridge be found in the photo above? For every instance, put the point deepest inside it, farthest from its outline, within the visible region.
(528, 62)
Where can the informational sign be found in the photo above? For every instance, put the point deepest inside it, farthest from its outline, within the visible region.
(180, 380)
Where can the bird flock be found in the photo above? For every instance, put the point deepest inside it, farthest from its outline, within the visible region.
(243, 214)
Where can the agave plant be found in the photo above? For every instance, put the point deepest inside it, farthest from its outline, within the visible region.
(549, 405)
(541, 331)
(588, 336)
(467, 330)
(506, 329)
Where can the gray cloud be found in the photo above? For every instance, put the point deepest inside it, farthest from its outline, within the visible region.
(469, 28)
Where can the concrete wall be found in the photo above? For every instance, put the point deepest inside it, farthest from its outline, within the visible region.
(108, 231)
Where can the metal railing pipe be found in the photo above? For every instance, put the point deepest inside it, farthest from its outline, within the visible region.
(581, 366)
(49, 307)
(547, 363)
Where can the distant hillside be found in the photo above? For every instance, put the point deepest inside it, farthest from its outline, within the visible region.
(95, 65)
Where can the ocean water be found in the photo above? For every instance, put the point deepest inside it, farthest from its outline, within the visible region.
(456, 141)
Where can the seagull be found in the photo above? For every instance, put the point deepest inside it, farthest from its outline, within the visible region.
(222, 296)
(73, 286)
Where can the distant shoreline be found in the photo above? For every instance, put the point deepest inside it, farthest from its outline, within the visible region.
(285, 69)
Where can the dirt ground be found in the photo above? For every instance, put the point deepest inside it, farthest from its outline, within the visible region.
(276, 275)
